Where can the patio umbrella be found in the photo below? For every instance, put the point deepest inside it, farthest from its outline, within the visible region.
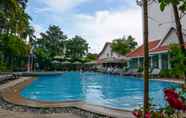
(55, 62)
(77, 62)
(66, 62)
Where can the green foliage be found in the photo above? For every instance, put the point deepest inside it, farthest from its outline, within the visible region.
(180, 3)
(123, 45)
(177, 61)
(13, 17)
(140, 69)
(43, 58)
(12, 49)
(91, 57)
(164, 73)
(14, 25)
(3, 66)
(13, 45)
(76, 48)
(50, 44)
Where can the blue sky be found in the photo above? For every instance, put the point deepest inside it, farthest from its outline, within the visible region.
(97, 21)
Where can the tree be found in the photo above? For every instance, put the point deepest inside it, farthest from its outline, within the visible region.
(14, 19)
(76, 48)
(51, 44)
(91, 57)
(177, 5)
(13, 27)
(123, 45)
(146, 57)
(13, 50)
(23, 3)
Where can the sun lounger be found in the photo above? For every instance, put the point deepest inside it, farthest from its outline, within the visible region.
(155, 72)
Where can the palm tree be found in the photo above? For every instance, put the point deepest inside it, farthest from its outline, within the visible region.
(13, 17)
(146, 57)
(23, 3)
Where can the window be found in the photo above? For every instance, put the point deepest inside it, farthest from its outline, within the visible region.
(164, 58)
(155, 61)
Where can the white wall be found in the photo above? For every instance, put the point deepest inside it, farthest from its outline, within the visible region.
(172, 39)
(108, 53)
(161, 22)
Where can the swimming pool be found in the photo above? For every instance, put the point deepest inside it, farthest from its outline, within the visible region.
(121, 92)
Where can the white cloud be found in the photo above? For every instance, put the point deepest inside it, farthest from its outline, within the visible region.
(38, 29)
(63, 5)
(106, 26)
(99, 28)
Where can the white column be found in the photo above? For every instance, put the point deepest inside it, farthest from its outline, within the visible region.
(169, 65)
(138, 62)
(151, 63)
(160, 61)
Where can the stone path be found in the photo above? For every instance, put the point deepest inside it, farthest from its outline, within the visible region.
(12, 114)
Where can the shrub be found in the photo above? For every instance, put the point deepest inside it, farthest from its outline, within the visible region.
(140, 69)
(177, 61)
(165, 73)
(3, 67)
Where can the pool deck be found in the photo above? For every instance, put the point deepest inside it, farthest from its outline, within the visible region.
(10, 92)
(13, 114)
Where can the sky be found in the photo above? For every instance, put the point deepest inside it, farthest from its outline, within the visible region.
(97, 21)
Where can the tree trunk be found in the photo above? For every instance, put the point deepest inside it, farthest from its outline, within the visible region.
(179, 35)
(146, 57)
(178, 27)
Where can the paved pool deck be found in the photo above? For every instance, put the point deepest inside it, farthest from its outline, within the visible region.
(13, 114)
(10, 92)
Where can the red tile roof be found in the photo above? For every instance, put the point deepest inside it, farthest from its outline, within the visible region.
(162, 48)
(139, 52)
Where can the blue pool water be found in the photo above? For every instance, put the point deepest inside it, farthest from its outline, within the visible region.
(95, 88)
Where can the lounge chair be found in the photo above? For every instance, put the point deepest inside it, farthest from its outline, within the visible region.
(155, 72)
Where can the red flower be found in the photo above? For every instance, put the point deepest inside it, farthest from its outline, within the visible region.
(170, 92)
(174, 100)
(175, 103)
(137, 114)
(148, 115)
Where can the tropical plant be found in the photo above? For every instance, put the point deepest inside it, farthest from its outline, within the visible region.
(175, 105)
(90, 57)
(76, 48)
(51, 44)
(166, 73)
(14, 19)
(177, 61)
(124, 45)
(13, 49)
